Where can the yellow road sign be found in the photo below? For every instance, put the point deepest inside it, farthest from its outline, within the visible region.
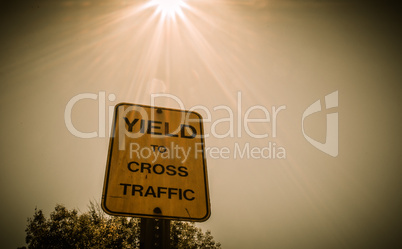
(156, 165)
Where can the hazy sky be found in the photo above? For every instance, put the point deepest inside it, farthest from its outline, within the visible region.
(271, 53)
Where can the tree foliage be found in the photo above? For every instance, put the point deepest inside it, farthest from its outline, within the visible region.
(94, 229)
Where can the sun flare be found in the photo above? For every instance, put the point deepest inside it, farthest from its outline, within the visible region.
(168, 8)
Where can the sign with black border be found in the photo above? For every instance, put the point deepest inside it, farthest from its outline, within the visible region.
(156, 166)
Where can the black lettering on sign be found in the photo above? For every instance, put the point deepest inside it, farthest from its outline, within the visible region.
(184, 133)
(150, 127)
(185, 195)
(167, 133)
(150, 191)
(159, 192)
(145, 166)
(130, 124)
(171, 170)
(125, 187)
(170, 193)
(158, 169)
(157, 128)
(183, 171)
(131, 167)
(137, 188)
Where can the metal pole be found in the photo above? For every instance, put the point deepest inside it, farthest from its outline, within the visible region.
(154, 234)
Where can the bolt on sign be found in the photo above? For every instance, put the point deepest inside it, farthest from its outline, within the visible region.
(156, 165)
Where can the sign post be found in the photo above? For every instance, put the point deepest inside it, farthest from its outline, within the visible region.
(155, 234)
(156, 167)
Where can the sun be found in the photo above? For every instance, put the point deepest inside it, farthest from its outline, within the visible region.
(168, 8)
